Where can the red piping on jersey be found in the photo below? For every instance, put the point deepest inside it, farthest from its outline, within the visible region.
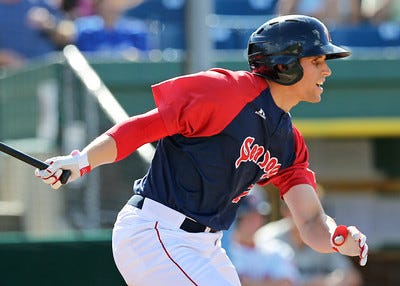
(298, 173)
(169, 256)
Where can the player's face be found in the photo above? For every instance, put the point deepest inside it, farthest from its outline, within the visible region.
(315, 71)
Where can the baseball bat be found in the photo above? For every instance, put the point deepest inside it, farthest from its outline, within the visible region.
(31, 160)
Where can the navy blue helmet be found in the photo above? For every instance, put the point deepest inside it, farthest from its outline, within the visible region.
(283, 41)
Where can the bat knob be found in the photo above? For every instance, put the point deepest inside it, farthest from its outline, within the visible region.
(65, 176)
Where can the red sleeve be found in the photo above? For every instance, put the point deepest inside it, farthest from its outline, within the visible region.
(136, 131)
(298, 173)
(203, 104)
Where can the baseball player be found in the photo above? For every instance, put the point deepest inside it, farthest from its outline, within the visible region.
(219, 132)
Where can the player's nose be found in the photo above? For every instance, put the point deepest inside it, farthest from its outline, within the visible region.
(326, 71)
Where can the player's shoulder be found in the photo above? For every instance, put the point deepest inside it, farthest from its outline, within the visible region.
(232, 73)
(237, 75)
(238, 82)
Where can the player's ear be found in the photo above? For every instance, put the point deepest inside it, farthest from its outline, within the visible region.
(281, 67)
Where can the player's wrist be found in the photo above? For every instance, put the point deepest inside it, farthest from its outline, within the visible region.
(83, 162)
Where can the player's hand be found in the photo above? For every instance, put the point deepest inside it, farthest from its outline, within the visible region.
(351, 242)
(76, 162)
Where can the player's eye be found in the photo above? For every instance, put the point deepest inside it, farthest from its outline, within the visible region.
(318, 61)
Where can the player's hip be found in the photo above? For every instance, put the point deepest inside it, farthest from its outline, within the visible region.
(157, 220)
(151, 252)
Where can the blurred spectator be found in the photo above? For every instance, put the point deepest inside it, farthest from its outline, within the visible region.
(344, 12)
(11, 59)
(310, 8)
(61, 29)
(255, 265)
(75, 8)
(82, 8)
(378, 12)
(20, 39)
(108, 31)
(166, 21)
(316, 269)
(329, 11)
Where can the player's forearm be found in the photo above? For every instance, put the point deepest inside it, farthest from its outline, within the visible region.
(309, 216)
(101, 151)
(317, 232)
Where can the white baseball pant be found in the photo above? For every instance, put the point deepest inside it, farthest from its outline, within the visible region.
(149, 248)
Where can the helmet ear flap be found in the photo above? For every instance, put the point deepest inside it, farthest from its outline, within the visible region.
(288, 74)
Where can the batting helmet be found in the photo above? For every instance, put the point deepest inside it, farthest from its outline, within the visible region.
(283, 41)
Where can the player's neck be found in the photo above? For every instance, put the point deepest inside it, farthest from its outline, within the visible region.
(283, 96)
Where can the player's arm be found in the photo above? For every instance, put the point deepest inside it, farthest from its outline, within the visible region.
(102, 150)
(314, 225)
(298, 188)
(115, 144)
(319, 230)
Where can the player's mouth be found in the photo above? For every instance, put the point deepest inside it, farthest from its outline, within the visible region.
(320, 85)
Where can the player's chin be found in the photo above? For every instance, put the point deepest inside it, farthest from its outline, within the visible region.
(314, 99)
(317, 99)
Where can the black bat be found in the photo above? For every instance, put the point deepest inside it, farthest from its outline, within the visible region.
(31, 160)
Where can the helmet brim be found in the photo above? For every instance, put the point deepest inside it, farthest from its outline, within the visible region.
(334, 52)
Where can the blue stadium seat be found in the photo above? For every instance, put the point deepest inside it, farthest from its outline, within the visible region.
(245, 7)
(383, 35)
(166, 18)
(239, 19)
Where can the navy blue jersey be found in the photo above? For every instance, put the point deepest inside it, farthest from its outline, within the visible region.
(227, 134)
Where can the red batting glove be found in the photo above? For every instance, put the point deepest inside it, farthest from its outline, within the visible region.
(355, 245)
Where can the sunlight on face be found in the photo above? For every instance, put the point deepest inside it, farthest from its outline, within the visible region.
(315, 70)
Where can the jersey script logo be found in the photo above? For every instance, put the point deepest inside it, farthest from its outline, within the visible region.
(257, 154)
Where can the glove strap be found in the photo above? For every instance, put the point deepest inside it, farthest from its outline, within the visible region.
(83, 162)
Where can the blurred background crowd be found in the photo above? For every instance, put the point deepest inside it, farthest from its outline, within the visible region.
(262, 243)
(33, 28)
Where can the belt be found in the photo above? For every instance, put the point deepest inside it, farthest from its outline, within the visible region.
(188, 224)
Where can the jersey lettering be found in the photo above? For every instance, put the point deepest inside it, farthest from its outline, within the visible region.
(252, 153)
(238, 198)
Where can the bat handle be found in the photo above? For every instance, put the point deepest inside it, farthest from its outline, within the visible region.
(65, 176)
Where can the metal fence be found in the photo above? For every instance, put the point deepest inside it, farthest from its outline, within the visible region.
(50, 109)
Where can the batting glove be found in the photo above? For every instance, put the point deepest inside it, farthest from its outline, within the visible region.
(351, 242)
(76, 162)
